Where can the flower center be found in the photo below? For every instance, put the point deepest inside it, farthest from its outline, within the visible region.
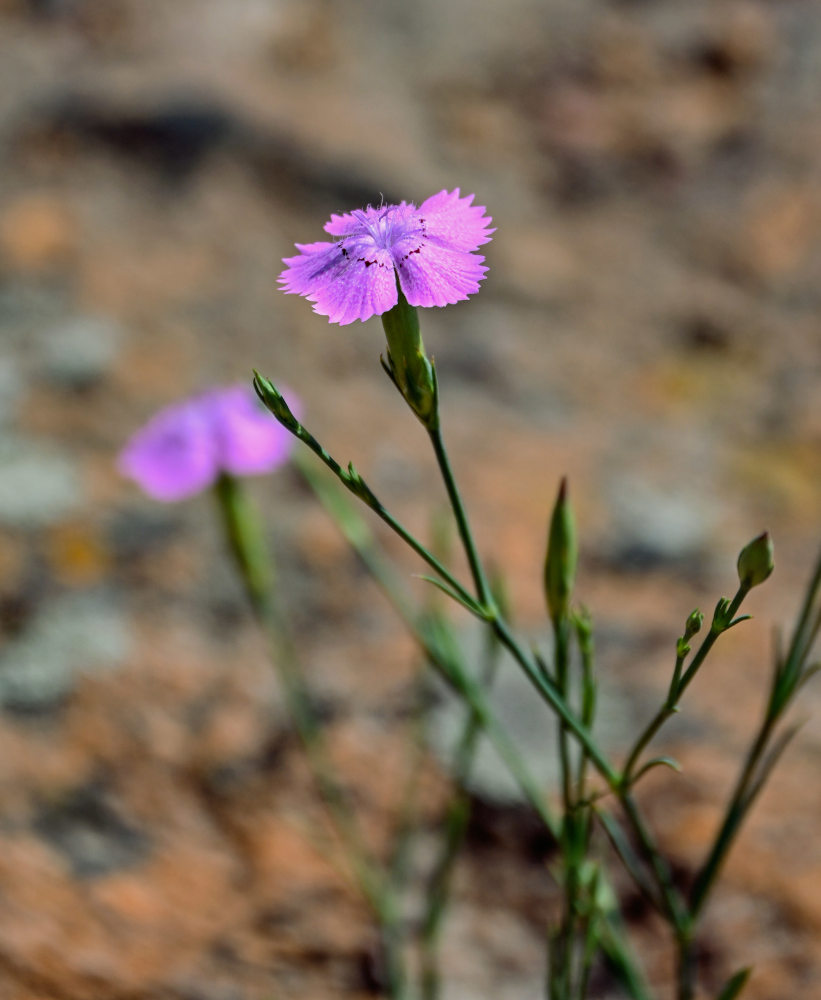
(384, 227)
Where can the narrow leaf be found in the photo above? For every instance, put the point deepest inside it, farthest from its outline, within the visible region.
(670, 762)
(628, 857)
(471, 606)
(769, 762)
(735, 985)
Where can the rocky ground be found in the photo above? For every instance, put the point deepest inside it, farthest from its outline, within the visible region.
(649, 327)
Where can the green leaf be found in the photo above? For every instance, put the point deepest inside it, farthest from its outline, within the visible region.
(472, 606)
(562, 557)
(767, 766)
(735, 985)
(809, 672)
(670, 762)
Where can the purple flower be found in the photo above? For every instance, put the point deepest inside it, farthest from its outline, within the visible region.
(431, 250)
(185, 447)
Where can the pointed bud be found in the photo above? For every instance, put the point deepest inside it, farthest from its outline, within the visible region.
(755, 562)
(691, 627)
(408, 366)
(562, 557)
(693, 624)
(273, 400)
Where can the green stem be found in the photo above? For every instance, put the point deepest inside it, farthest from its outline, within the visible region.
(561, 652)
(686, 966)
(733, 817)
(443, 662)
(677, 689)
(351, 480)
(547, 690)
(565, 938)
(247, 544)
(476, 570)
(552, 696)
(671, 898)
(710, 640)
(360, 538)
(354, 483)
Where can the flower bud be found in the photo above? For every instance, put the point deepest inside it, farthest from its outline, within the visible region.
(755, 562)
(562, 557)
(693, 624)
(408, 365)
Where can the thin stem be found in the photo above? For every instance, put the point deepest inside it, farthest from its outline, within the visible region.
(677, 689)
(455, 677)
(352, 481)
(732, 820)
(565, 939)
(460, 514)
(552, 696)
(561, 652)
(663, 877)
(244, 536)
(686, 969)
(710, 639)
(442, 661)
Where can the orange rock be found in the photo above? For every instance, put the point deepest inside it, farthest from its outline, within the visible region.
(77, 555)
(37, 232)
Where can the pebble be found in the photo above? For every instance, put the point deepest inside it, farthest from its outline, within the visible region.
(40, 485)
(12, 387)
(89, 832)
(654, 527)
(81, 351)
(37, 233)
(73, 635)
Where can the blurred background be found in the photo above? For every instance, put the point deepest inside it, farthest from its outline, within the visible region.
(650, 326)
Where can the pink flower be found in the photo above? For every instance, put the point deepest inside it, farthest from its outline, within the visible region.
(430, 251)
(186, 447)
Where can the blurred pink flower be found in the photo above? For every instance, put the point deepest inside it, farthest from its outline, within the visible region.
(431, 250)
(185, 447)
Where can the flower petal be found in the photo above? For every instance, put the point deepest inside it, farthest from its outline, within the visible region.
(454, 222)
(352, 279)
(432, 275)
(249, 440)
(173, 456)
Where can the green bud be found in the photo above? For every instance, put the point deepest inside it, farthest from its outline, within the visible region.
(408, 366)
(273, 400)
(755, 562)
(562, 557)
(721, 616)
(693, 625)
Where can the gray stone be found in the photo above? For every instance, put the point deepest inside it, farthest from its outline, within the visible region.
(12, 388)
(87, 829)
(71, 636)
(38, 484)
(77, 353)
(652, 526)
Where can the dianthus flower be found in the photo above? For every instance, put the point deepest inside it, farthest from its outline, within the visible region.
(430, 251)
(186, 447)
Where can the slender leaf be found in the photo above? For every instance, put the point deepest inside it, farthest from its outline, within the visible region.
(734, 985)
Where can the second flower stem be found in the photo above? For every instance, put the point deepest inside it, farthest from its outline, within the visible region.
(476, 570)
